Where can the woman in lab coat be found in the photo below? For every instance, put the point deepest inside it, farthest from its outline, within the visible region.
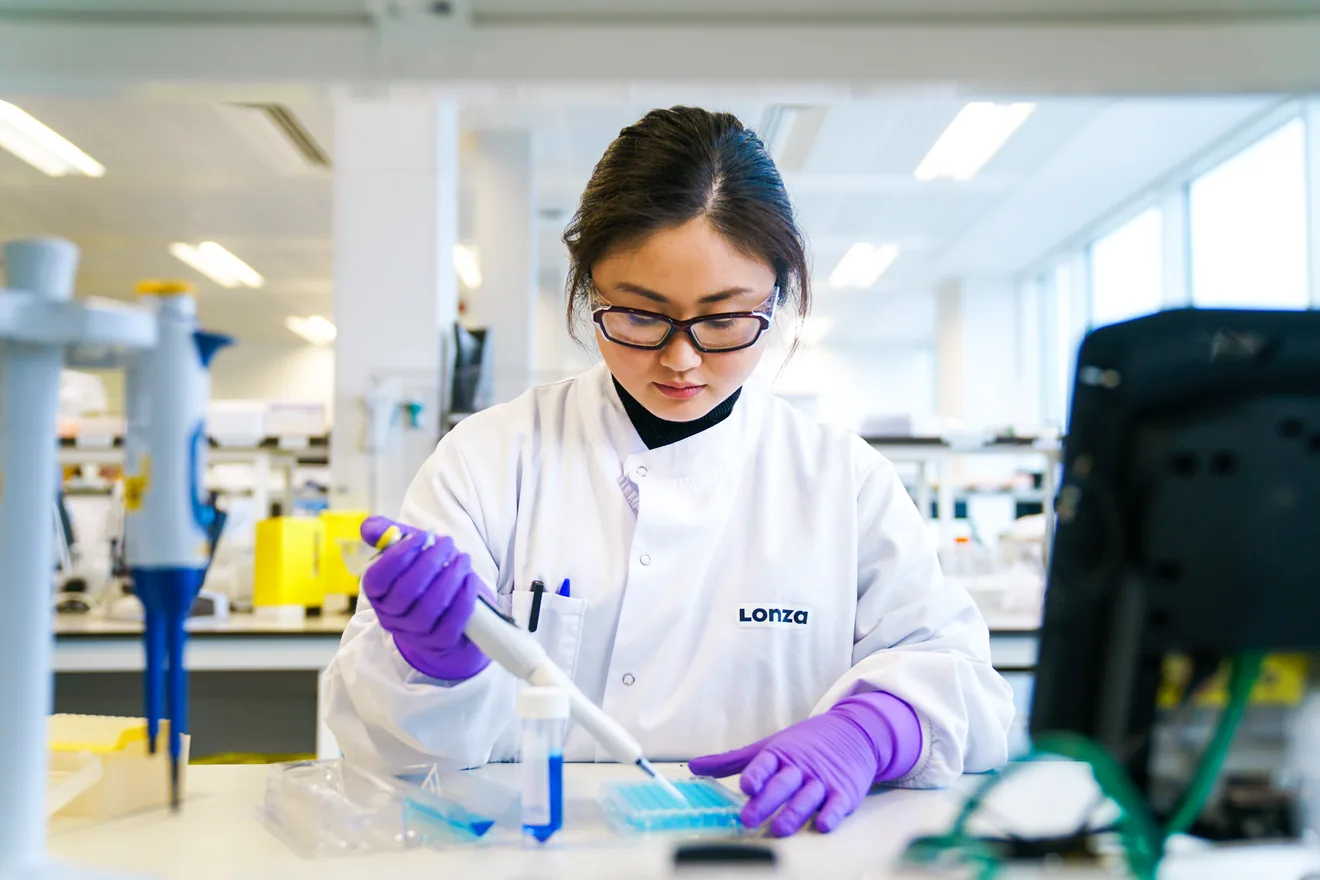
(740, 587)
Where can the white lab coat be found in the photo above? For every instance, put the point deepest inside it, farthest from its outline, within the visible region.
(670, 553)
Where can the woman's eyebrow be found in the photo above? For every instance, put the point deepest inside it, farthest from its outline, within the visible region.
(637, 289)
(718, 296)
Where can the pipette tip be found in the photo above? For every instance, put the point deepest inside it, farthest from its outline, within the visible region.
(664, 783)
(174, 784)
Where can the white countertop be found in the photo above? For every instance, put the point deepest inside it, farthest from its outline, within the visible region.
(245, 624)
(1000, 620)
(217, 835)
(245, 642)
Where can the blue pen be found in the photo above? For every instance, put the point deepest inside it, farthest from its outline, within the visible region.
(563, 589)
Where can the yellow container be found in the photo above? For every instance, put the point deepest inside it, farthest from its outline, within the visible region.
(1282, 682)
(100, 766)
(336, 526)
(287, 569)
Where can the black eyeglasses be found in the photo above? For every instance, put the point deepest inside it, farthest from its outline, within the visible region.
(727, 331)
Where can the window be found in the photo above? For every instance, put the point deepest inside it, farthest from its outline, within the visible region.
(1248, 227)
(1127, 270)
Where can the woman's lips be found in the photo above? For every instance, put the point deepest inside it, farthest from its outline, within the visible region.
(679, 392)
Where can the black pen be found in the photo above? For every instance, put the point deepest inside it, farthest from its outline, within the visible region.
(537, 589)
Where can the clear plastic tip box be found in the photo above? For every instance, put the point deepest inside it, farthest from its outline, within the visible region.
(322, 808)
(645, 807)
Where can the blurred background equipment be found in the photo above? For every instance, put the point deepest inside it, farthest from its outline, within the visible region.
(43, 326)
(1182, 533)
(1179, 565)
(473, 384)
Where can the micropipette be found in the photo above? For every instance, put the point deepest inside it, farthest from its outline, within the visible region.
(502, 640)
(165, 519)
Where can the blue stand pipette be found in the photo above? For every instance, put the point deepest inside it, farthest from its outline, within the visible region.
(166, 519)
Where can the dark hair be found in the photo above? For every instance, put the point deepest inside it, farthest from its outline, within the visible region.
(673, 166)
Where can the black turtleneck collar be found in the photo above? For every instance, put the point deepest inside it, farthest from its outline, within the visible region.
(656, 432)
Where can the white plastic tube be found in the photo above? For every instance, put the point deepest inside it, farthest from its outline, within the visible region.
(30, 373)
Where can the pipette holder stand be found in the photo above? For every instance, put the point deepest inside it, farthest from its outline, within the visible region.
(42, 328)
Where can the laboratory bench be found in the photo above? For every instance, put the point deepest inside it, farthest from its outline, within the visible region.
(1014, 638)
(255, 682)
(933, 457)
(217, 835)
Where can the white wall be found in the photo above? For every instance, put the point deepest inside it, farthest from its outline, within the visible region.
(996, 390)
(557, 355)
(294, 372)
(290, 372)
(990, 369)
(845, 385)
(988, 362)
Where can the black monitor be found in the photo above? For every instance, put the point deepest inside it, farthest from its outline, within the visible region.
(1188, 514)
(470, 387)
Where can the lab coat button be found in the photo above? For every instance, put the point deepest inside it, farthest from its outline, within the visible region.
(628, 679)
(645, 560)
(641, 471)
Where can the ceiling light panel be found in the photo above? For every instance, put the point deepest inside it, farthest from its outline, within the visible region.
(41, 146)
(978, 132)
(218, 264)
(314, 328)
(863, 264)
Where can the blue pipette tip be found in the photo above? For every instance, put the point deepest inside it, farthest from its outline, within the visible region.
(174, 783)
(153, 670)
(668, 786)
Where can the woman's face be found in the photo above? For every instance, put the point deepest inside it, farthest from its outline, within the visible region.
(682, 272)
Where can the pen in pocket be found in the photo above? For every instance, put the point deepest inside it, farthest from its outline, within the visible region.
(537, 589)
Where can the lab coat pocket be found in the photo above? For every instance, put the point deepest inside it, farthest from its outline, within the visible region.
(559, 625)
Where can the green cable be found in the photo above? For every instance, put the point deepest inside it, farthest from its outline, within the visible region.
(1142, 837)
(1242, 680)
(1143, 844)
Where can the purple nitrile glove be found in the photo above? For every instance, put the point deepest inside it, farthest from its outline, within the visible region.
(826, 763)
(424, 596)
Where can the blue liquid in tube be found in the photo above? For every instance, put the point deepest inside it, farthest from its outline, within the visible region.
(555, 789)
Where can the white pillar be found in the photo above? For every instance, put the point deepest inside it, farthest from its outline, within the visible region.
(396, 295)
(30, 390)
(992, 389)
(505, 210)
(1030, 350)
(949, 349)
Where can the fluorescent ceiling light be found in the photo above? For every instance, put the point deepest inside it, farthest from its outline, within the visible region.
(816, 328)
(863, 265)
(315, 329)
(975, 135)
(218, 264)
(41, 147)
(467, 264)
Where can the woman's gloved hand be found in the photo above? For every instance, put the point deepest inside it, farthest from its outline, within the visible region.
(826, 763)
(423, 596)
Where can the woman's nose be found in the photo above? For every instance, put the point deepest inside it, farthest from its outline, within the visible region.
(680, 354)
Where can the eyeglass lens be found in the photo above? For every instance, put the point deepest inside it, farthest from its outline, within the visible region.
(715, 334)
